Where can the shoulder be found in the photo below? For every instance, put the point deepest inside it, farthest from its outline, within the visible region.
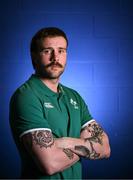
(23, 89)
(24, 93)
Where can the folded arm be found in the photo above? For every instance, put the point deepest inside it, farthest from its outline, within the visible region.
(49, 158)
(55, 155)
(93, 142)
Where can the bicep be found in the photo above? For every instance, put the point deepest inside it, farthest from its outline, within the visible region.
(94, 134)
(40, 145)
(92, 129)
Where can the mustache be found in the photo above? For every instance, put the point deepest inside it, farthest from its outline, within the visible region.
(53, 63)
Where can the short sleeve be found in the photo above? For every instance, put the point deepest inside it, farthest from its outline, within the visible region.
(26, 113)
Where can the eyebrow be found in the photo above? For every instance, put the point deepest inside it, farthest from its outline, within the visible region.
(52, 48)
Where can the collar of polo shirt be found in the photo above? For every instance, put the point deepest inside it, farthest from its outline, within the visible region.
(47, 91)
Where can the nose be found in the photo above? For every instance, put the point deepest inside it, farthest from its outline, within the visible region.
(54, 56)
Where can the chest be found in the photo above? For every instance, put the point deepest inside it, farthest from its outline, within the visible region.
(63, 116)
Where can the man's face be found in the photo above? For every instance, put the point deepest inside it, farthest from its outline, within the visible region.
(52, 57)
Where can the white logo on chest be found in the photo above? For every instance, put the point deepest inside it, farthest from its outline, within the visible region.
(74, 103)
(48, 105)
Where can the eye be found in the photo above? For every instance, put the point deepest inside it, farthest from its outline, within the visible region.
(62, 51)
(46, 51)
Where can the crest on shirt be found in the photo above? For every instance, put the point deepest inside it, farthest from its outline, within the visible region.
(48, 105)
(74, 103)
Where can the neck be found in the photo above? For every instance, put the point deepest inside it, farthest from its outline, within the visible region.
(51, 84)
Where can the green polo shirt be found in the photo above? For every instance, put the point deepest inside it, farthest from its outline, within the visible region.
(34, 106)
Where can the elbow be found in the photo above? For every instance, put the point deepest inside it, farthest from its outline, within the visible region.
(51, 168)
(50, 171)
(107, 151)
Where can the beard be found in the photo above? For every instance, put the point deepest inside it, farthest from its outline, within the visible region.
(52, 70)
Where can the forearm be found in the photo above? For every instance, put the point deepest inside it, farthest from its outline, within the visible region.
(88, 147)
(78, 146)
(93, 142)
(62, 158)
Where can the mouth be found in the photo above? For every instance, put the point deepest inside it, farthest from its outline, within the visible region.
(54, 67)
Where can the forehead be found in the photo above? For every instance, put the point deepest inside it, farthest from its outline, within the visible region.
(58, 41)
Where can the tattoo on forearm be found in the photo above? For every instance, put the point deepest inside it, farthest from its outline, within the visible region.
(84, 150)
(69, 153)
(91, 154)
(43, 138)
(95, 136)
(96, 133)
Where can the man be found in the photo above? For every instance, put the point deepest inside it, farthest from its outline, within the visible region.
(51, 124)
